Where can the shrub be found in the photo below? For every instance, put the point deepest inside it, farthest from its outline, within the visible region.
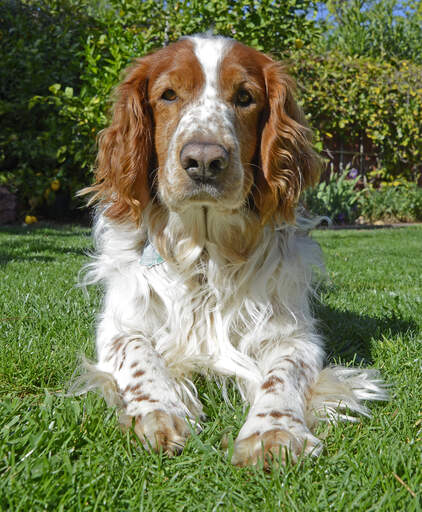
(382, 29)
(395, 203)
(60, 59)
(336, 198)
(39, 41)
(351, 99)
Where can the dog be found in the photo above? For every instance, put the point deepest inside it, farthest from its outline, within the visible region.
(205, 263)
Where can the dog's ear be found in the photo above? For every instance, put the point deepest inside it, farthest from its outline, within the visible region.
(287, 161)
(126, 150)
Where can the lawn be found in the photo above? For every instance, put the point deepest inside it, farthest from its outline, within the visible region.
(61, 453)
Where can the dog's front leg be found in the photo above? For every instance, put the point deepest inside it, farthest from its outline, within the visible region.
(276, 422)
(148, 394)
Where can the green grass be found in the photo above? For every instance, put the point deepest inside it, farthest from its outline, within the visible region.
(59, 453)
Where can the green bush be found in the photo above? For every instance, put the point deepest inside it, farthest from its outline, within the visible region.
(38, 45)
(336, 198)
(60, 59)
(343, 201)
(354, 98)
(401, 203)
(381, 29)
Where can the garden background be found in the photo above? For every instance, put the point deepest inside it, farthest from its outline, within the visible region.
(359, 71)
(358, 66)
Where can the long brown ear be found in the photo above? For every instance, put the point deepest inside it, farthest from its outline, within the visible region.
(288, 162)
(126, 150)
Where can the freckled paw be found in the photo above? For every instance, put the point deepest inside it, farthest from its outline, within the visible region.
(159, 430)
(273, 447)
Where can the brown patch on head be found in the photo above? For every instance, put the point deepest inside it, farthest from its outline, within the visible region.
(275, 141)
(241, 73)
(180, 72)
(127, 153)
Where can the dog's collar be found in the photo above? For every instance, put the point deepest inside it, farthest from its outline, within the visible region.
(149, 256)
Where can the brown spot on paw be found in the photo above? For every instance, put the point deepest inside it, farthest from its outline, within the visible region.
(288, 360)
(274, 446)
(276, 414)
(162, 431)
(270, 383)
(304, 365)
(141, 398)
(117, 345)
(132, 388)
(297, 420)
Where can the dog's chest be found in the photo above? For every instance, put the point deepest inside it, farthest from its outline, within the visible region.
(202, 312)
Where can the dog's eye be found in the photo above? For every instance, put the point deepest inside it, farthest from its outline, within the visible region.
(169, 95)
(243, 98)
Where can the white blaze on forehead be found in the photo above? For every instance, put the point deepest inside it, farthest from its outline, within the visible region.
(209, 117)
(210, 51)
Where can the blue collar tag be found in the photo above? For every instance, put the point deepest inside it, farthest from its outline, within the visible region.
(150, 257)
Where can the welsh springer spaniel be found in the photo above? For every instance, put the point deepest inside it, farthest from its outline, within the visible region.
(205, 266)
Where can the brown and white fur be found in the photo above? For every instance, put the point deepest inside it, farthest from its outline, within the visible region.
(204, 160)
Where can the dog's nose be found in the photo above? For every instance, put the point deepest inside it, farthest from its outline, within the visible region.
(203, 161)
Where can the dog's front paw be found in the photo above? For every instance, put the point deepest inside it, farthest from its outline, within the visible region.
(159, 430)
(273, 447)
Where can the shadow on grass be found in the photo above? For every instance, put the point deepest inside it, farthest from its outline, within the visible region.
(348, 335)
(39, 244)
(49, 229)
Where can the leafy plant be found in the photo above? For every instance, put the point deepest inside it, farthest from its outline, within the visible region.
(60, 59)
(397, 203)
(336, 198)
(382, 29)
(354, 99)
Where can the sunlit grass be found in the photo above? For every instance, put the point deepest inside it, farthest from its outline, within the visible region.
(59, 453)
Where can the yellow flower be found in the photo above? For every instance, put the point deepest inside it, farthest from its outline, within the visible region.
(46, 193)
(30, 219)
(55, 185)
(299, 43)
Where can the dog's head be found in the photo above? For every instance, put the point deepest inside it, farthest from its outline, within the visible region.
(206, 120)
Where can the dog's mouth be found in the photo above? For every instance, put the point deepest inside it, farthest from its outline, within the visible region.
(205, 188)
